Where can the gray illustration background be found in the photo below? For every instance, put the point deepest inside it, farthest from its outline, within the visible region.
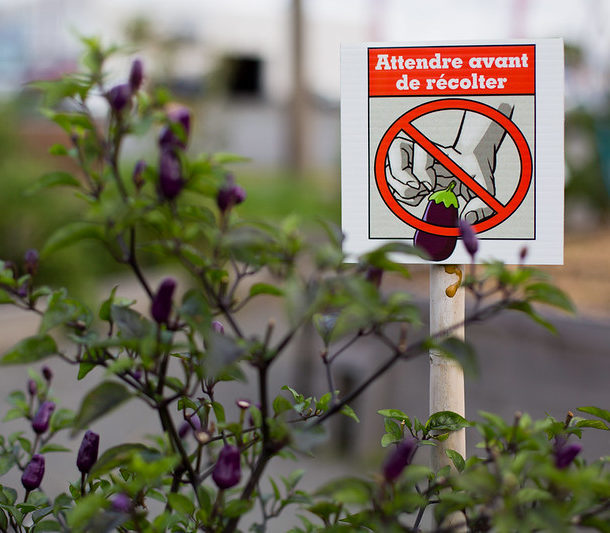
(441, 127)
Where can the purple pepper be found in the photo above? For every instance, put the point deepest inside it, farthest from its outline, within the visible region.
(243, 404)
(469, 237)
(31, 258)
(33, 473)
(40, 422)
(374, 275)
(162, 302)
(227, 472)
(170, 174)
(192, 423)
(218, 327)
(168, 139)
(119, 97)
(87, 453)
(399, 458)
(32, 387)
(121, 503)
(137, 178)
(564, 453)
(136, 75)
(230, 195)
(47, 373)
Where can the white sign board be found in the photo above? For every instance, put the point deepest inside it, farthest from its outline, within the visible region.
(434, 133)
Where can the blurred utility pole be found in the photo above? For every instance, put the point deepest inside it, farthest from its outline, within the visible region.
(298, 105)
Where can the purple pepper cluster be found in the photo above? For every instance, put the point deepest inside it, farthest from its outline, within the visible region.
(227, 472)
(119, 97)
(173, 138)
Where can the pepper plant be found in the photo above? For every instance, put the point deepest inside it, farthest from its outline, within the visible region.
(204, 469)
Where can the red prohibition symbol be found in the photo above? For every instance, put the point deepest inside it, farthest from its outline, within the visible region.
(405, 123)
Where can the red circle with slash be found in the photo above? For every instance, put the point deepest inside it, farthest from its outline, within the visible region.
(404, 123)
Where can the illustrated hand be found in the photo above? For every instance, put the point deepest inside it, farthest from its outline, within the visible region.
(412, 173)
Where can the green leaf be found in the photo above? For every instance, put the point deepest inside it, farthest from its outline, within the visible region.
(348, 411)
(83, 369)
(550, 295)
(119, 301)
(47, 448)
(596, 424)
(458, 460)
(117, 456)
(70, 234)
(52, 179)
(389, 438)
(280, 405)
(350, 490)
(131, 324)
(462, 352)
(62, 418)
(525, 307)
(532, 494)
(61, 310)
(222, 352)
(219, 412)
(7, 462)
(237, 508)
(30, 350)
(47, 525)
(596, 411)
(181, 503)
(85, 510)
(396, 414)
(222, 158)
(265, 288)
(446, 421)
(98, 402)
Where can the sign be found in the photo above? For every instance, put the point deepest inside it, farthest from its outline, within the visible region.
(437, 133)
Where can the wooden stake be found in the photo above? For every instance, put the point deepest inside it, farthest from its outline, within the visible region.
(446, 375)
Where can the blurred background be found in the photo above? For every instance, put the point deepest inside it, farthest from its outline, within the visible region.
(263, 80)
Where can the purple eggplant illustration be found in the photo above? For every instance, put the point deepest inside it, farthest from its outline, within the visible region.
(442, 210)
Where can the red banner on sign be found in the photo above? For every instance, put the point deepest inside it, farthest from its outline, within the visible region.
(452, 70)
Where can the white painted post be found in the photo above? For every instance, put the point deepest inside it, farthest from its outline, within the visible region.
(446, 375)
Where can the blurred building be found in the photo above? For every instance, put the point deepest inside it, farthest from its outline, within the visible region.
(233, 60)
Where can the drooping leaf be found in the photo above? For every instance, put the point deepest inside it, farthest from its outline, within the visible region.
(457, 459)
(265, 288)
(596, 411)
(462, 352)
(549, 294)
(117, 456)
(181, 503)
(52, 179)
(98, 402)
(30, 350)
(70, 234)
(526, 307)
(131, 324)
